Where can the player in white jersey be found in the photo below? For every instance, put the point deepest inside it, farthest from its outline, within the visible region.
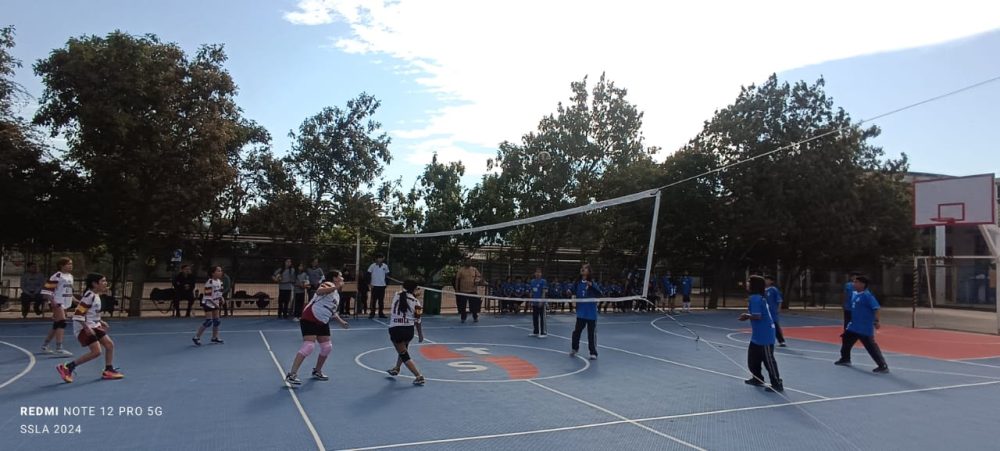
(91, 331)
(211, 303)
(315, 326)
(58, 290)
(405, 314)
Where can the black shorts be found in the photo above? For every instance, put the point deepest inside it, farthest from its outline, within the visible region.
(208, 309)
(401, 334)
(313, 328)
(86, 339)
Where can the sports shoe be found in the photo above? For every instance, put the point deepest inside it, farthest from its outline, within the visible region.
(572, 353)
(782, 345)
(842, 362)
(317, 374)
(533, 334)
(393, 371)
(218, 341)
(62, 352)
(65, 373)
(775, 388)
(196, 340)
(293, 379)
(543, 335)
(881, 370)
(753, 381)
(593, 357)
(46, 349)
(419, 380)
(113, 374)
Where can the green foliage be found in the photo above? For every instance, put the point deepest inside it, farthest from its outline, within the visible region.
(833, 202)
(336, 155)
(435, 203)
(596, 150)
(41, 200)
(149, 128)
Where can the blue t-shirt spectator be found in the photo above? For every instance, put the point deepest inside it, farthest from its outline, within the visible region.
(668, 287)
(863, 307)
(506, 289)
(567, 289)
(686, 284)
(587, 310)
(763, 328)
(538, 288)
(555, 291)
(774, 300)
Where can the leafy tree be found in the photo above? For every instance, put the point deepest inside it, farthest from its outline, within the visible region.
(811, 206)
(436, 203)
(336, 155)
(38, 192)
(149, 128)
(593, 142)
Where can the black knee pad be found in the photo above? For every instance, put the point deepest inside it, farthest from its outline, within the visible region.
(404, 356)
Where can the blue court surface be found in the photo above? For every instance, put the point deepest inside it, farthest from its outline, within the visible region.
(490, 386)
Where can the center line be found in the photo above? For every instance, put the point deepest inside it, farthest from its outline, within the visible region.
(620, 417)
(291, 391)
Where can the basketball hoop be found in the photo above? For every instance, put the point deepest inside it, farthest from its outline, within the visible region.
(945, 220)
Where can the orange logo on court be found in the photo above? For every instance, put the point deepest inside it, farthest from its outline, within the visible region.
(516, 367)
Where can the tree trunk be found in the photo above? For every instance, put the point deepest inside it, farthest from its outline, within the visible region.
(718, 286)
(789, 284)
(138, 280)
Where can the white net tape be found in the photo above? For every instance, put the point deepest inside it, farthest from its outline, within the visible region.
(517, 222)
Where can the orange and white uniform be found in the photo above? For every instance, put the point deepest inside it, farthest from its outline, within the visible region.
(60, 287)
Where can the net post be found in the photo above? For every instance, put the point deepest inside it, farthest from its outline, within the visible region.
(916, 291)
(357, 257)
(652, 241)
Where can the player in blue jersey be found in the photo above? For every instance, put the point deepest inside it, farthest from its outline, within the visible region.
(538, 286)
(761, 349)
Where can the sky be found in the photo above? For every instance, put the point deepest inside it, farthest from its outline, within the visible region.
(459, 77)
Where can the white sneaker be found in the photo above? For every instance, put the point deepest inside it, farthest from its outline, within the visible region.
(543, 336)
(572, 353)
(593, 357)
(532, 335)
(46, 350)
(63, 352)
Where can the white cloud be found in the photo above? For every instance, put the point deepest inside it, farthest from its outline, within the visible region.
(508, 63)
(311, 12)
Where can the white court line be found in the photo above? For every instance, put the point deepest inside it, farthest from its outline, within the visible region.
(816, 401)
(621, 417)
(31, 364)
(966, 362)
(188, 332)
(678, 416)
(486, 437)
(685, 365)
(291, 391)
(788, 353)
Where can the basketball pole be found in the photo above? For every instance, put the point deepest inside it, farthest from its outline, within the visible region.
(991, 234)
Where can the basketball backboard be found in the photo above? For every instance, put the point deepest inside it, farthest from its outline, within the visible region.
(967, 200)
